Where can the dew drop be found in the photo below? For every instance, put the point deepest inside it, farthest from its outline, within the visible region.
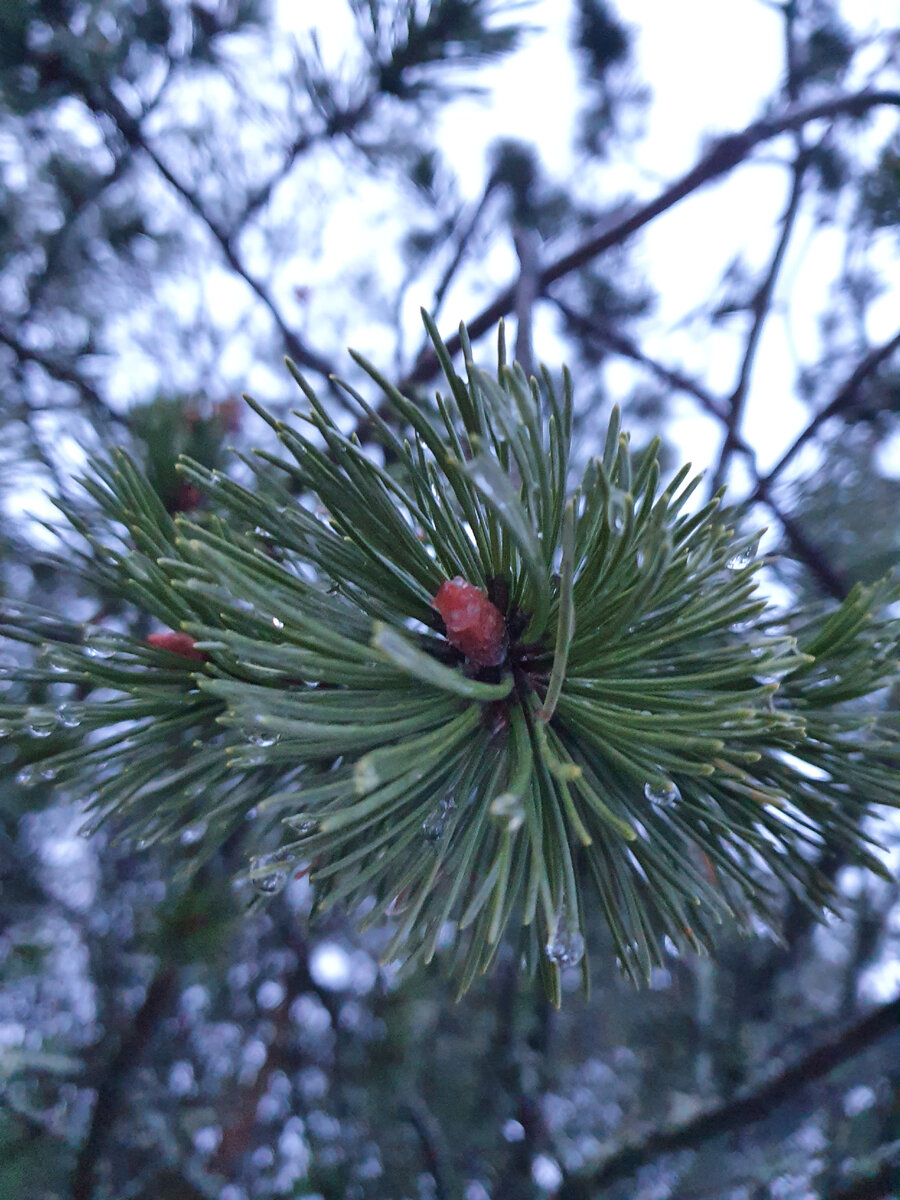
(263, 740)
(304, 826)
(508, 808)
(664, 797)
(96, 643)
(743, 557)
(27, 777)
(566, 947)
(270, 873)
(277, 623)
(192, 834)
(39, 722)
(68, 716)
(436, 822)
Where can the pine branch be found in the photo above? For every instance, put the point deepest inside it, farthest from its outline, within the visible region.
(755, 1105)
(566, 700)
(726, 153)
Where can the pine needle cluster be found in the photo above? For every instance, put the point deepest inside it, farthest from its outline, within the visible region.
(648, 738)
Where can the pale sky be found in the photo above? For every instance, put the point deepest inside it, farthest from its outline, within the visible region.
(709, 64)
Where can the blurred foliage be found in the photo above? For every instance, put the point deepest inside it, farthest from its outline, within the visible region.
(178, 183)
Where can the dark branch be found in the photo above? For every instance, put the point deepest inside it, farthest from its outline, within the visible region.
(156, 1002)
(342, 121)
(133, 133)
(433, 1149)
(62, 374)
(802, 547)
(762, 304)
(622, 345)
(726, 153)
(755, 1105)
(841, 402)
(462, 244)
(526, 293)
(811, 555)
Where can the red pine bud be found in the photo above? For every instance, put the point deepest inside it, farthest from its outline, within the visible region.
(474, 626)
(176, 643)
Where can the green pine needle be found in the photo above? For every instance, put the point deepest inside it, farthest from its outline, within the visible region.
(653, 744)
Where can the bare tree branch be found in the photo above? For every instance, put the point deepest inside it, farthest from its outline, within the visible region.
(434, 1149)
(133, 133)
(725, 154)
(624, 346)
(754, 1105)
(464, 236)
(156, 1002)
(841, 402)
(526, 293)
(762, 304)
(62, 374)
(803, 548)
(342, 121)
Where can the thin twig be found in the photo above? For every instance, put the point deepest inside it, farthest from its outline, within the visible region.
(133, 133)
(62, 374)
(434, 1148)
(842, 401)
(466, 233)
(762, 304)
(624, 346)
(806, 550)
(754, 1105)
(342, 121)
